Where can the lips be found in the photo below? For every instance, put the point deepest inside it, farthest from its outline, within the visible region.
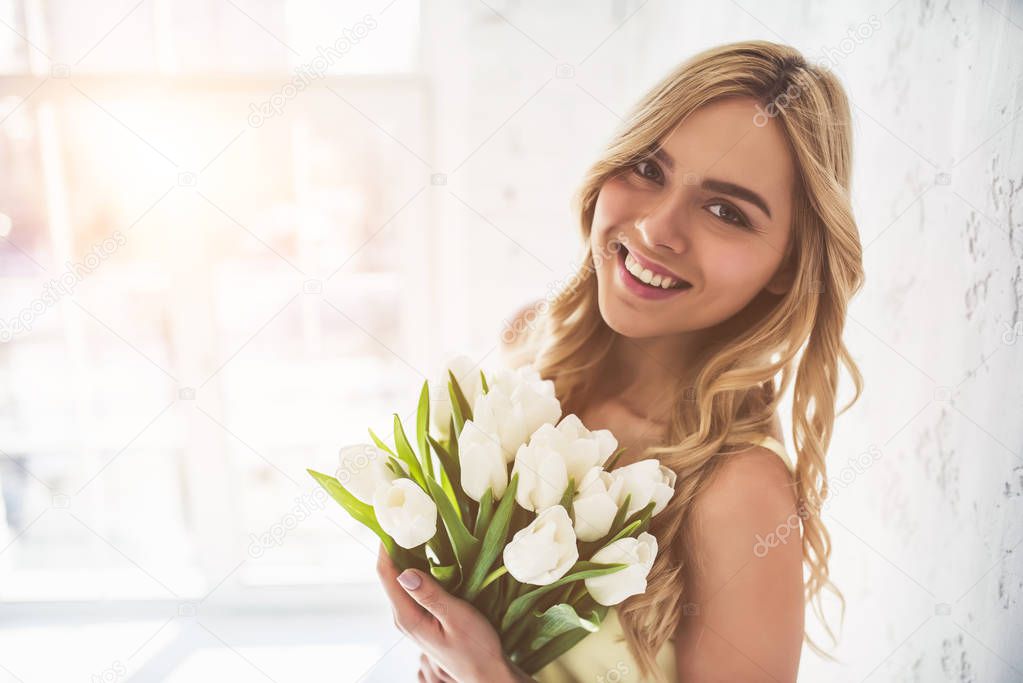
(655, 268)
(637, 288)
(652, 274)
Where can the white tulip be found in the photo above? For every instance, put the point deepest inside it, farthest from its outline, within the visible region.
(596, 504)
(517, 403)
(583, 449)
(406, 513)
(544, 551)
(541, 469)
(638, 553)
(482, 462)
(362, 468)
(648, 481)
(467, 372)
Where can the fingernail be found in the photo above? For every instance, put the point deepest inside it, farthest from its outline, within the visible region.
(409, 579)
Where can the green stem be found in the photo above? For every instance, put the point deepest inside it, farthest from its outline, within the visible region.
(577, 592)
(513, 640)
(494, 576)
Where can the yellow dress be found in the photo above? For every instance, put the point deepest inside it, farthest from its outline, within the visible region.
(604, 656)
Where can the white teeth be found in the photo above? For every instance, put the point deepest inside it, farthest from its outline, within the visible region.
(647, 276)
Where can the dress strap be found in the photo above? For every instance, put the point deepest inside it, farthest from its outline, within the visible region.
(778, 447)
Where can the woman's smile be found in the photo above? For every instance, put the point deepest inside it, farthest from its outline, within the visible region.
(641, 282)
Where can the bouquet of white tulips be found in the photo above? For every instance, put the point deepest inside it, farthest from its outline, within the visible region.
(535, 528)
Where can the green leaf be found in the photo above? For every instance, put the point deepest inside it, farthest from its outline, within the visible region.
(464, 545)
(394, 465)
(485, 512)
(494, 576)
(494, 540)
(580, 571)
(620, 515)
(406, 454)
(566, 498)
(627, 530)
(637, 523)
(457, 417)
(441, 547)
(633, 526)
(444, 573)
(530, 663)
(557, 646)
(361, 512)
(483, 381)
(463, 402)
(643, 517)
(556, 620)
(448, 463)
(449, 490)
(575, 593)
(521, 518)
(423, 427)
(450, 471)
(459, 404)
(489, 601)
(380, 444)
(451, 446)
(364, 514)
(613, 460)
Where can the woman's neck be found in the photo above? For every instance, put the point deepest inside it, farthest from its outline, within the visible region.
(641, 374)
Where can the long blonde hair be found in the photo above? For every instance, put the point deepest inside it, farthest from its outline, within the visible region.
(734, 395)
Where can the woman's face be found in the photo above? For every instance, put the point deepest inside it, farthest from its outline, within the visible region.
(712, 206)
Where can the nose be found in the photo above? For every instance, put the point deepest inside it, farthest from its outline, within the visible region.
(662, 225)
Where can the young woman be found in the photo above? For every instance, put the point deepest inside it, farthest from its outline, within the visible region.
(722, 254)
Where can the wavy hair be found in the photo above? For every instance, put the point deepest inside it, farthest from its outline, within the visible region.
(736, 387)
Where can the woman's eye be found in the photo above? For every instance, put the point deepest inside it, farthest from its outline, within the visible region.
(729, 214)
(649, 170)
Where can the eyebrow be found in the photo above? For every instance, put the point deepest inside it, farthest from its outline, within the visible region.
(721, 186)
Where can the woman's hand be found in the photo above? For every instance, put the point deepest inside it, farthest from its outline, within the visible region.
(430, 672)
(458, 642)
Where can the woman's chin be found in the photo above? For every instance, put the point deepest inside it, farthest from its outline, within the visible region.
(627, 322)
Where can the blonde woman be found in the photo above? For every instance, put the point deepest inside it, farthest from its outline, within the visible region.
(722, 254)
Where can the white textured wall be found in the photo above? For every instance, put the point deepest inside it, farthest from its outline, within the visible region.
(928, 534)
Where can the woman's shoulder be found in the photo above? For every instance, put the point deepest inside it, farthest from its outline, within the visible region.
(745, 542)
(756, 477)
(749, 492)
